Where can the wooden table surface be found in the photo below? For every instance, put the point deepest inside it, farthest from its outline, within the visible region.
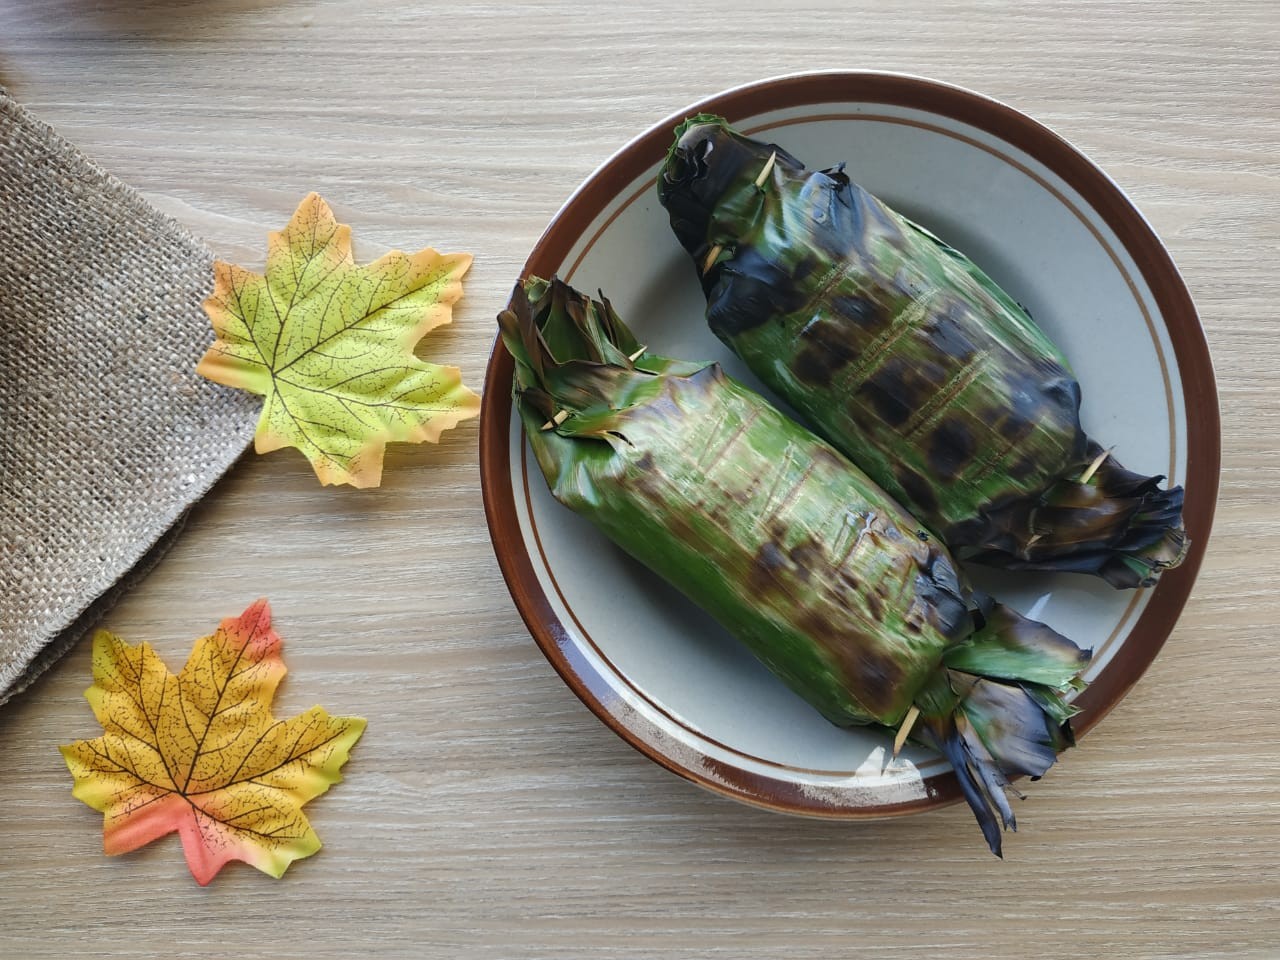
(487, 813)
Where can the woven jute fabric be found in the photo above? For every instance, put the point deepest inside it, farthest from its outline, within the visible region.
(108, 436)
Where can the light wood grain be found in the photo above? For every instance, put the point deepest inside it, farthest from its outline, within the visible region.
(486, 813)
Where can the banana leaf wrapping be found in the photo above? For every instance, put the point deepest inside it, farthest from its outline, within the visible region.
(903, 354)
(832, 585)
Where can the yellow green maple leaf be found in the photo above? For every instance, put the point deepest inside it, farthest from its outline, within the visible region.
(200, 753)
(329, 345)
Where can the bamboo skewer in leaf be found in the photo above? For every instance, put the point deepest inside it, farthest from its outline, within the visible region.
(904, 355)
(826, 580)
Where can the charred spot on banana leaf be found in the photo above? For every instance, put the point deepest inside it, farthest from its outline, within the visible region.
(840, 592)
(908, 358)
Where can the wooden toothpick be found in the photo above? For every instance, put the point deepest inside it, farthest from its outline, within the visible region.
(768, 169)
(560, 417)
(1098, 461)
(904, 730)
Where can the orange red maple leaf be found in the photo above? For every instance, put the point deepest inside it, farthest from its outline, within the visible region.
(199, 752)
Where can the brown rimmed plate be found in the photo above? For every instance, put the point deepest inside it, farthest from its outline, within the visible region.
(1045, 223)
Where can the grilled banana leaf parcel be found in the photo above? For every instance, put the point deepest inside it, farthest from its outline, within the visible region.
(909, 359)
(794, 550)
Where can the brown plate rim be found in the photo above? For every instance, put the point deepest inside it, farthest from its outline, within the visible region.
(1177, 311)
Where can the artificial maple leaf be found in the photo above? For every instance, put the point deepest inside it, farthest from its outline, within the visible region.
(330, 346)
(200, 752)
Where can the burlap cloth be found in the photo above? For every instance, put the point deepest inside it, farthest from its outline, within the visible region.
(107, 435)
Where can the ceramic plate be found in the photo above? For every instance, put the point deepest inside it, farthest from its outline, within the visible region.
(1052, 229)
